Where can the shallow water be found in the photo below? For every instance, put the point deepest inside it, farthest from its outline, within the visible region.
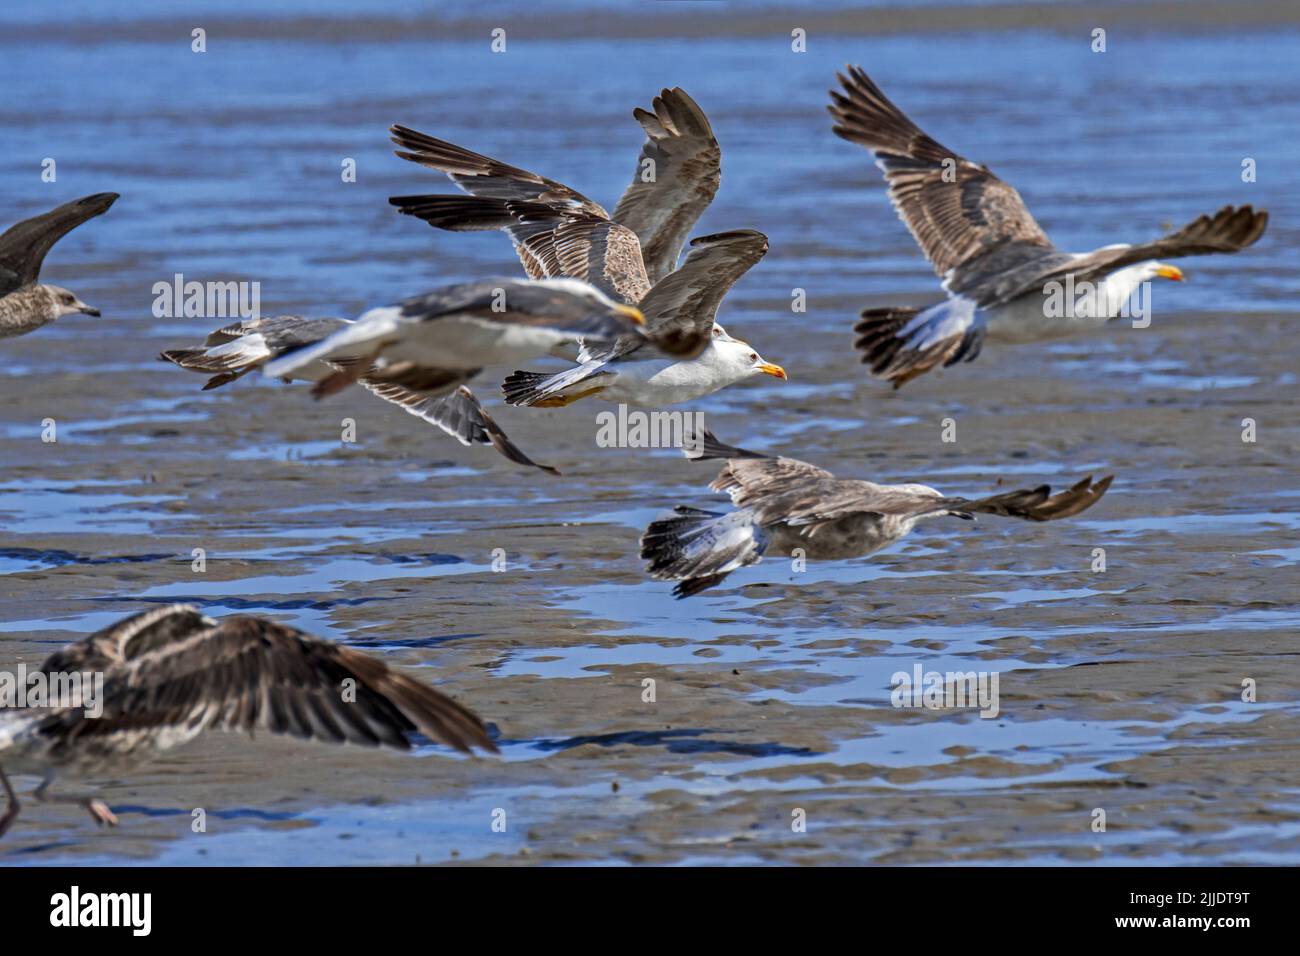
(1119, 690)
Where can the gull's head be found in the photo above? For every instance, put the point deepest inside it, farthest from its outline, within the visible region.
(1159, 270)
(741, 358)
(62, 302)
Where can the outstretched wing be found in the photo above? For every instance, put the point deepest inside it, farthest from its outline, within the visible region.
(680, 309)
(128, 637)
(676, 177)
(956, 210)
(471, 214)
(179, 668)
(484, 176)
(459, 414)
(767, 485)
(23, 246)
(1035, 504)
(494, 185)
(1229, 230)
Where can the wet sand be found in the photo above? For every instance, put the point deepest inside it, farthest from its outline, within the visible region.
(1119, 690)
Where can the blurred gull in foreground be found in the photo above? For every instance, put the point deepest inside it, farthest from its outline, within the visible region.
(420, 353)
(171, 673)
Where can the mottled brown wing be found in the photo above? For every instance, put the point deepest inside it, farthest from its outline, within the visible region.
(1036, 504)
(251, 674)
(24, 245)
(800, 494)
(1229, 230)
(676, 177)
(786, 489)
(132, 635)
(956, 209)
(680, 309)
(598, 251)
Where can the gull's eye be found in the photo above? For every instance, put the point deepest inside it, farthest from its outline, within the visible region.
(68, 300)
(753, 356)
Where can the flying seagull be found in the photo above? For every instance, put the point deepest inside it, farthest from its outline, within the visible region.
(418, 355)
(233, 351)
(25, 304)
(676, 177)
(632, 255)
(783, 504)
(999, 268)
(171, 673)
(682, 305)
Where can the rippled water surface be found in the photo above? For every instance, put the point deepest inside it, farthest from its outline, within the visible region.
(1119, 690)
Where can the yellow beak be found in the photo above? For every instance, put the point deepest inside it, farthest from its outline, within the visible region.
(767, 368)
(631, 311)
(1170, 272)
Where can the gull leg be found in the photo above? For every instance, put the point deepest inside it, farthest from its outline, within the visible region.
(11, 811)
(100, 813)
(98, 809)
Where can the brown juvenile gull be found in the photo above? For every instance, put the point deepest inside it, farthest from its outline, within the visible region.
(171, 673)
(1004, 278)
(451, 333)
(783, 504)
(25, 304)
(676, 177)
(632, 255)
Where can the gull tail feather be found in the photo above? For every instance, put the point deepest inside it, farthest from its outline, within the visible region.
(225, 363)
(900, 342)
(699, 548)
(528, 388)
